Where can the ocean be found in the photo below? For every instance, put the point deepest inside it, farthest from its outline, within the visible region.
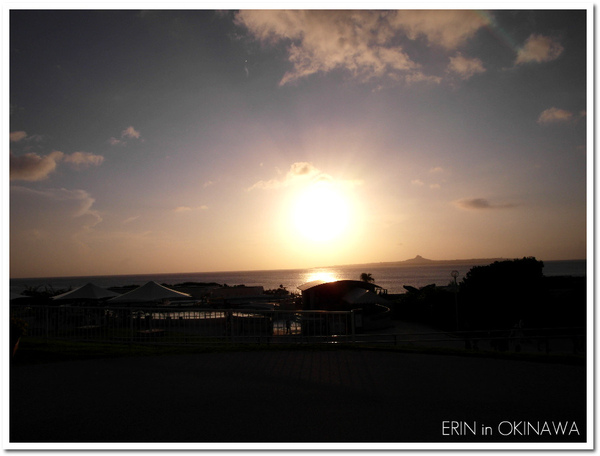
(391, 278)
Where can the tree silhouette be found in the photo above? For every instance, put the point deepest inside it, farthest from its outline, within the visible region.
(501, 294)
(367, 277)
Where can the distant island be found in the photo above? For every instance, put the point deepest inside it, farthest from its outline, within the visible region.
(420, 261)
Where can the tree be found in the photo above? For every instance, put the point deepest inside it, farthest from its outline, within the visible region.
(367, 277)
(501, 294)
(429, 304)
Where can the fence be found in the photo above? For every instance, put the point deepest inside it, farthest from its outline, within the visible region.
(183, 326)
(155, 325)
(535, 341)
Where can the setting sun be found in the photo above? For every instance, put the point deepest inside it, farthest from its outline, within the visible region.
(321, 212)
(298, 151)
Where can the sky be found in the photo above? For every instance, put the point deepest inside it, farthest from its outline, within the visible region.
(164, 141)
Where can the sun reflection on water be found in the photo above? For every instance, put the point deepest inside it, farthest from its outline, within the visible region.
(324, 275)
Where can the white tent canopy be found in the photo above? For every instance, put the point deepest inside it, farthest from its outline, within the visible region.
(87, 292)
(150, 292)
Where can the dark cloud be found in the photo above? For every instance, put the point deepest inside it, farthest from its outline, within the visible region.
(481, 203)
(33, 167)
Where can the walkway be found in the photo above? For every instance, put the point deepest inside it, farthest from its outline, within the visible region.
(290, 396)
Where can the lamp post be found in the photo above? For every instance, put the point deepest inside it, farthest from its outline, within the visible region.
(454, 274)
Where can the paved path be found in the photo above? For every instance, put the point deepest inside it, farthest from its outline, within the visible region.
(290, 396)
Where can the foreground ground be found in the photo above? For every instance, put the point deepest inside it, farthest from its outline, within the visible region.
(295, 396)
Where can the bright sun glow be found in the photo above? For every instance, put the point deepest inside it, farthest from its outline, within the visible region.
(325, 276)
(321, 212)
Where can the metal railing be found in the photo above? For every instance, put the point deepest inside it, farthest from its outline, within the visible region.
(571, 340)
(180, 326)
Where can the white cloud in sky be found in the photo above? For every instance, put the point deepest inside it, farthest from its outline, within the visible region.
(365, 43)
(416, 77)
(300, 172)
(189, 209)
(129, 133)
(539, 48)
(33, 167)
(554, 115)
(446, 28)
(81, 160)
(465, 67)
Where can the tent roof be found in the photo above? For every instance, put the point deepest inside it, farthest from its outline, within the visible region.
(149, 292)
(88, 291)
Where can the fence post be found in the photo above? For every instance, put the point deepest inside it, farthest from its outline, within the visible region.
(352, 326)
(47, 322)
(229, 324)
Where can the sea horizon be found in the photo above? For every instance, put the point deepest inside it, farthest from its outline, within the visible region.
(398, 263)
(391, 276)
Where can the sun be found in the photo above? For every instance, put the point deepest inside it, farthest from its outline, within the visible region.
(321, 212)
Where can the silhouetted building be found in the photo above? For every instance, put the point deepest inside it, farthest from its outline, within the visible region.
(345, 295)
(338, 295)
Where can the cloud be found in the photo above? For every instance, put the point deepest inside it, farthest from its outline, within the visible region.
(418, 182)
(480, 203)
(128, 133)
(81, 160)
(417, 77)
(302, 169)
(554, 115)
(189, 209)
(17, 136)
(464, 67)
(446, 28)
(437, 169)
(367, 44)
(539, 48)
(58, 204)
(33, 167)
(300, 172)
(130, 219)
(55, 222)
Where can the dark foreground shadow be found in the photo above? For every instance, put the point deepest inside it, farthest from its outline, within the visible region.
(298, 396)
